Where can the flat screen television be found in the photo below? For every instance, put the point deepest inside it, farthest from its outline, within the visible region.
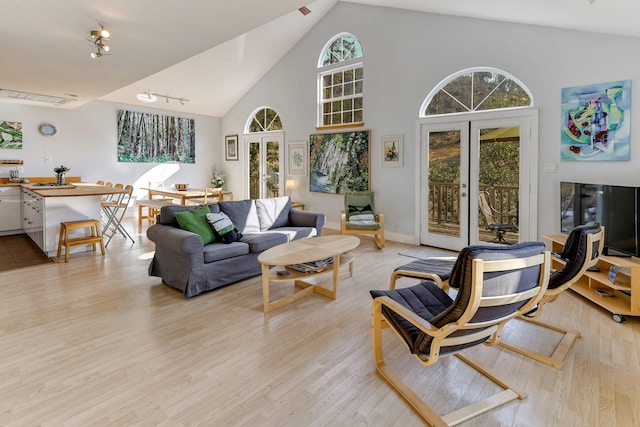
(613, 206)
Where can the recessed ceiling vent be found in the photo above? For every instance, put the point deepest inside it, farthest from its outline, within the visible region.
(33, 97)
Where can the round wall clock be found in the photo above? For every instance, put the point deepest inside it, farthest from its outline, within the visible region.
(47, 129)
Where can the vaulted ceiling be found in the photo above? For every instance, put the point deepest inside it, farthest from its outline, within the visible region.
(213, 52)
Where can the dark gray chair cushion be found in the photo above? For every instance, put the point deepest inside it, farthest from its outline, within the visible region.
(425, 299)
(497, 283)
(574, 253)
(442, 269)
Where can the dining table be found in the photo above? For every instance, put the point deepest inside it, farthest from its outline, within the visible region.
(190, 193)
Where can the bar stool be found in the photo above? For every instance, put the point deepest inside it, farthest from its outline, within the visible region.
(68, 242)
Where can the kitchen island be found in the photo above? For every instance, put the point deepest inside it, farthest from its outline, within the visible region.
(45, 207)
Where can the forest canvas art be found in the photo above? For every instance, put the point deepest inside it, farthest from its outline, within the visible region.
(145, 138)
(339, 162)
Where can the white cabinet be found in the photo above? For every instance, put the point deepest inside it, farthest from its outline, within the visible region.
(42, 215)
(33, 217)
(9, 209)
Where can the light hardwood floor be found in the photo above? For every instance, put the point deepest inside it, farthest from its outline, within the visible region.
(99, 342)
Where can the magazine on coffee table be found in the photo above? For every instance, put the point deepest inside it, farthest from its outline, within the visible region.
(312, 266)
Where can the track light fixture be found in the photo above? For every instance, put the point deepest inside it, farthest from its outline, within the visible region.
(99, 39)
(150, 97)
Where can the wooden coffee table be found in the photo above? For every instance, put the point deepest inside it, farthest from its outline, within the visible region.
(301, 251)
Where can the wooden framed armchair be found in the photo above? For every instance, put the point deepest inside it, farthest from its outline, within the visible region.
(361, 217)
(581, 251)
(495, 284)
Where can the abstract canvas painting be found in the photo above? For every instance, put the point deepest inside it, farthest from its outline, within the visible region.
(596, 122)
(145, 138)
(339, 162)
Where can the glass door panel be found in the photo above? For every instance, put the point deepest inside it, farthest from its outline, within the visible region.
(264, 159)
(499, 184)
(501, 162)
(254, 170)
(272, 169)
(444, 202)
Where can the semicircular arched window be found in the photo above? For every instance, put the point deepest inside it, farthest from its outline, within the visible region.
(340, 79)
(476, 89)
(265, 119)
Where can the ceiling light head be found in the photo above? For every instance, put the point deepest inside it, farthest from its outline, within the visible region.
(146, 97)
(153, 97)
(98, 38)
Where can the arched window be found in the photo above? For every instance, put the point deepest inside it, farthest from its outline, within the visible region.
(340, 79)
(476, 89)
(264, 120)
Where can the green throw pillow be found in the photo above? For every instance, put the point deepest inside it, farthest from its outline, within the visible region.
(196, 221)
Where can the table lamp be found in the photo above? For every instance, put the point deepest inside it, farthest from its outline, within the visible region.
(289, 186)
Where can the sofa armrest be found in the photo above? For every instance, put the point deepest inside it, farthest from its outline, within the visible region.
(175, 239)
(300, 218)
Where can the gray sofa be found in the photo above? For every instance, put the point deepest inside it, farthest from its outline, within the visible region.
(183, 262)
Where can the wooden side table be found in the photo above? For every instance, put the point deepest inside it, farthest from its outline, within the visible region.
(297, 205)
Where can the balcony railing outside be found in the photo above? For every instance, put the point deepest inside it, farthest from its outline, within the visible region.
(444, 206)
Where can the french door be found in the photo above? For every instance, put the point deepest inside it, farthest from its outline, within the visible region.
(264, 160)
(459, 160)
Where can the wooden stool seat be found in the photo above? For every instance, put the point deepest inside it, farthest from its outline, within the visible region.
(153, 206)
(92, 239)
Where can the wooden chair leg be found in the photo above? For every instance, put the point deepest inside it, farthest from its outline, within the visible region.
(556, 359)
(508, 394)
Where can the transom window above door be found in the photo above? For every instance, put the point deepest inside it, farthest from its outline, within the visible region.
(476, 89)
(265, 120)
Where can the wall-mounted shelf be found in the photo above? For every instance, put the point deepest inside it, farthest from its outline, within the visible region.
(11, 162)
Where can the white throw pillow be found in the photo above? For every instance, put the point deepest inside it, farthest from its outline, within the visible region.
(253, 224)
(272, 212)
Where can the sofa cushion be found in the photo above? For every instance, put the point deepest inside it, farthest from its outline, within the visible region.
(223, 227)
(273, 212)
(259, 242)
(217, 251)
(242, 213)
(195, 220)
(167, 213)
(295, 233)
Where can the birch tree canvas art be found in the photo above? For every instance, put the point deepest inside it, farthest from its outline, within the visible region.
(146, 138)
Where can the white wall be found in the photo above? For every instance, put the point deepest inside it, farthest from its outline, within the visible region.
(406, 54)
(86, 142)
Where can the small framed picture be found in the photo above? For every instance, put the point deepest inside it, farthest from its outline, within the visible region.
(297, 158)
(392, 150)
(231, 147)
